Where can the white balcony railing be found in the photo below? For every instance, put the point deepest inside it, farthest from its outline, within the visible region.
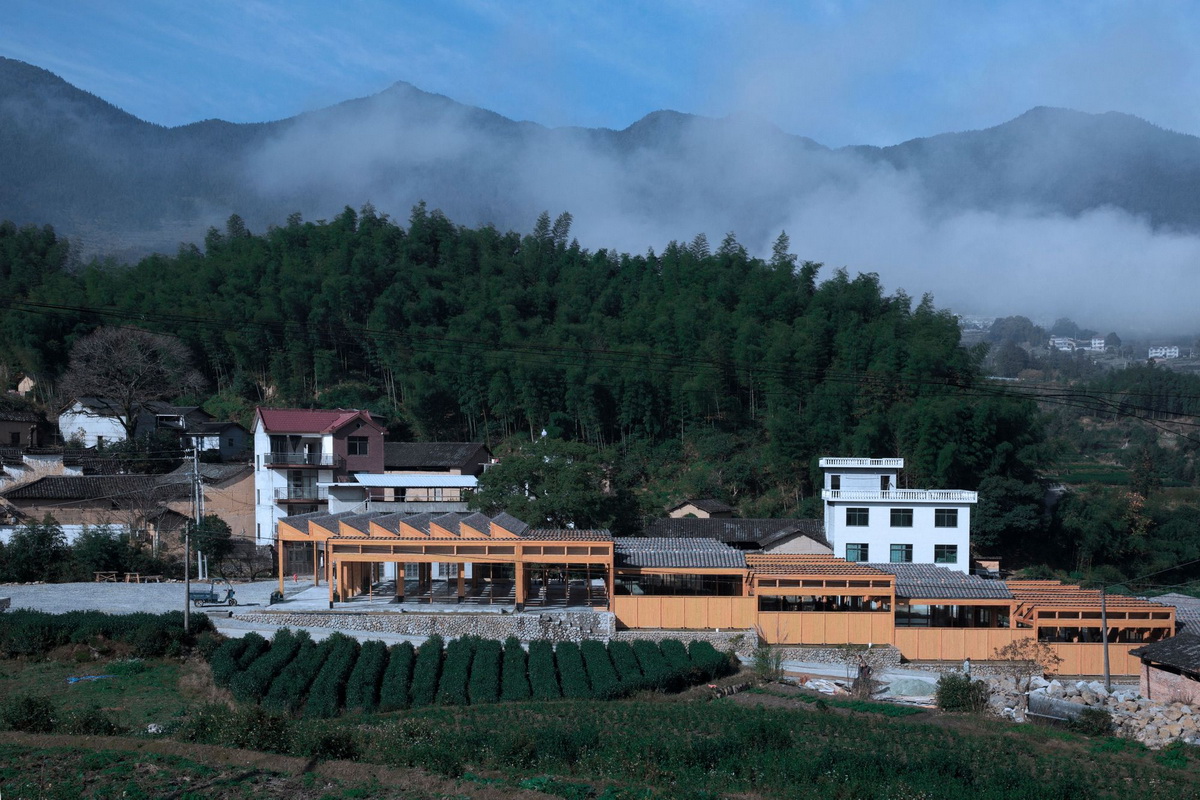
(885, 463)
(901, 495)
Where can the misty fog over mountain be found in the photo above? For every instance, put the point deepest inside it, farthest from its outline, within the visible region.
(1054, 213)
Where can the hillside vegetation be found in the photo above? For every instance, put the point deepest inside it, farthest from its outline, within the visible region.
(696, 371)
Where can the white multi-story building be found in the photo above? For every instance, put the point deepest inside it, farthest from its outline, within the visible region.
(1164, 352)
(867, 518)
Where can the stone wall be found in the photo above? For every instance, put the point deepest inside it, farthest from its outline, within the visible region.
(1153, 723)
(881, 656)
(562, 626)
(738, 641)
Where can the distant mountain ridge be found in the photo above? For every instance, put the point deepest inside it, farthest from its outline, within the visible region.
(127, 186)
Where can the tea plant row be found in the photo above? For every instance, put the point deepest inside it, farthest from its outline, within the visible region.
(293, 674)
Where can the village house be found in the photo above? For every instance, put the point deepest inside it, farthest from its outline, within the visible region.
(299, 453)
(868, 518)
(704, 508)
(1171, 669)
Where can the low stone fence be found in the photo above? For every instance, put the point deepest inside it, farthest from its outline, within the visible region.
(1152, 723)
(563, 626)
(880, 656)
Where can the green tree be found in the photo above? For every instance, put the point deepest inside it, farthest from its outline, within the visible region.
(98, 549)
(550, 483)
(213, 537)
(37, 552)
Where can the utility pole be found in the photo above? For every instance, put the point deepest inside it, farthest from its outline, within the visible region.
(1104, 638)
(187, 554)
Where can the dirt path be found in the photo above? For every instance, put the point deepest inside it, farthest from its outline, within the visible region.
(415, 782)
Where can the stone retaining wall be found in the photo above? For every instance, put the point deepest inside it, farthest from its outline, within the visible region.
(562, 626)
(880, 656)
(1152, 723)
(738, 641)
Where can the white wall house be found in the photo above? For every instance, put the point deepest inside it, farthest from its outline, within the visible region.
(867, 518)
(91, 421)
(1164, 352)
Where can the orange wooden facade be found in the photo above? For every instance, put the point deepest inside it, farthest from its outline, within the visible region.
(352, 552)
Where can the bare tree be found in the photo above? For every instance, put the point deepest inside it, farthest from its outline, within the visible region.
(1024, 659)
(130, 367)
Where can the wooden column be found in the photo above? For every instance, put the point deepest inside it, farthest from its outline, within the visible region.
(280, 545)
(329, 576)
(462, 582)
(520, 581)
(316, 565)
(400, 581)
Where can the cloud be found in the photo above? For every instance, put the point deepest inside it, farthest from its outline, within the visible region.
(672, 176)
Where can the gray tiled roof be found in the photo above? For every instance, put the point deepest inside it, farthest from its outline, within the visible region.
(1187, 609)
(707, 504)
(361, 522)
(95, 487)
(510, 523)
(762, 533)
(931, 582)
(429, 455)
(649, 552)
(569, 534)
(1181, 652)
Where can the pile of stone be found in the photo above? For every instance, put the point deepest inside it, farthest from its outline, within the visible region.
(1154, 724)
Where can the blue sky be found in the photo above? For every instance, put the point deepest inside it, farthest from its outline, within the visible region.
(840, 72)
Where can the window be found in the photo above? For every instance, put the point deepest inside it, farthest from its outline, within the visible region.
(902, 517)
(857, 552)
(835, 482)
(857, 517)
(945, 518)
(357, 445)
(901, 553)
(945, 554)
(885, 483)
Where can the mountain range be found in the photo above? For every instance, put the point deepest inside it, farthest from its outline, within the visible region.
(124, 186)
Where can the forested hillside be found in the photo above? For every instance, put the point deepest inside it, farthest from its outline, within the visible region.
(696, 371)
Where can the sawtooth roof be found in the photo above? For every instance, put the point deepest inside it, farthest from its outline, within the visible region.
(636, 552)
(931, 582)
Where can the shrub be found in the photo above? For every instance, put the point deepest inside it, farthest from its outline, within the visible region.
(571, 671)
(654, 667)
(317, 740)
(393, 693)
(326, 694)
(290, 686)
(224, 660)
(710, 662)
(205, 724)
(767, 663)
(35, 633)
(256, 645)
(362, 688)
(29, 713)
(251, 684)
(426, 670)
(253, 728)
(484, 686)
(676, 655)
(1092, 722)
(957, 692)
(626, 665)
(543, 678)
(515, 681)
(88, 722)
(456, 671)
(600, 671)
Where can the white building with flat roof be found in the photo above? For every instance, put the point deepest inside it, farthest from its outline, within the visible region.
(868, 518)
